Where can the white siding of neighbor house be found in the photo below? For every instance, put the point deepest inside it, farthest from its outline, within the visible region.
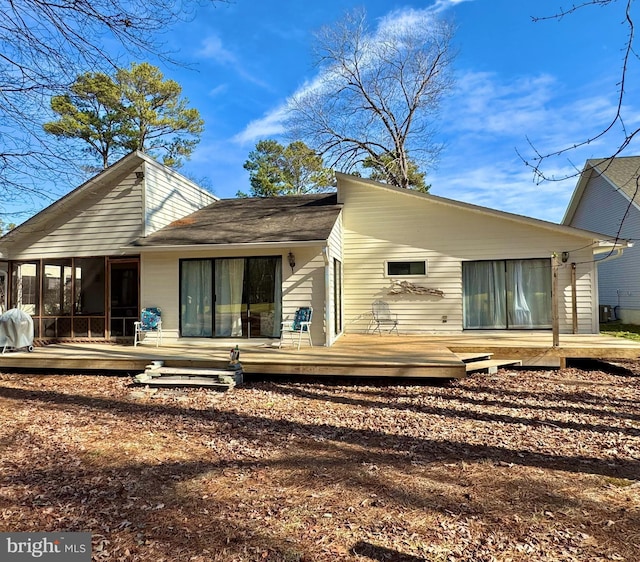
(382, 224)
(169, 196)
(100, 222)
(160, 282)
(601, 209)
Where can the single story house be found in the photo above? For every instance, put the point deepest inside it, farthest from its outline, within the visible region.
(607, 199)
(140, 235)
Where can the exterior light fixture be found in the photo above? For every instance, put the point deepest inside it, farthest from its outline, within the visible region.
(292, 261)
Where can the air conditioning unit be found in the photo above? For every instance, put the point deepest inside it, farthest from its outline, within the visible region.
(606, 313)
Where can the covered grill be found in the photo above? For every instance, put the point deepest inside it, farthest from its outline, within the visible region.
(16, 330)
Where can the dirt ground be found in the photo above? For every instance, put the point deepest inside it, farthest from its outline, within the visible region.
(522, 465)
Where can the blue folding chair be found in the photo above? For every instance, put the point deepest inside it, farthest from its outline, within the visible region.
(300, 325)
(150, 321)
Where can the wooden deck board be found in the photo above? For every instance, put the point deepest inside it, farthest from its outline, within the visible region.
(351, 355)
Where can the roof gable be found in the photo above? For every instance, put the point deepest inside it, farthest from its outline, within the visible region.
(345, 179)
(58, 212)
(622, 173)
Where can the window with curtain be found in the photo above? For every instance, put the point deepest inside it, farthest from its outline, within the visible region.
(229, 274)
(231, 297)
(196, 294)
(507, 294)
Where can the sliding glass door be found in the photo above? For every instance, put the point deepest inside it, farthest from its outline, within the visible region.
(507, 294)
(246, 294)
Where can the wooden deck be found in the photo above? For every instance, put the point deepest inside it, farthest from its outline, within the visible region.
(353, 354)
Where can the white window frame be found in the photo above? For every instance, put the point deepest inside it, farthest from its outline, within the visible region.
(413, 275)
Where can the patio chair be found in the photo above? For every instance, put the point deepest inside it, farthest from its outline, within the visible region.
(150, 321)
(299, 326)
(382, 318)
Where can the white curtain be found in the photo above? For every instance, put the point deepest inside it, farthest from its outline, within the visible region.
(507, 294)
(195, 298)
(529, 284)
(229, 284)
(484, 295)
(519, 312)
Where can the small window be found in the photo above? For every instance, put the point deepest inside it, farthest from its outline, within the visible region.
(406, 268)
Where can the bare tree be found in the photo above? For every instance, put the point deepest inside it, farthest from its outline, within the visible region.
(617, 123)
(44, 45)
(377, 95)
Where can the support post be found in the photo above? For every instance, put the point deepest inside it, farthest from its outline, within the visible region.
(574, 299)
(555, 322)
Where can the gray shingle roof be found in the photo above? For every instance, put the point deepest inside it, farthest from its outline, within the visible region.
(252, 220)
(623, 171)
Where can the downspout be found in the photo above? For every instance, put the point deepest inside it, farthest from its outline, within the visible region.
(327, 297)
(555, 321)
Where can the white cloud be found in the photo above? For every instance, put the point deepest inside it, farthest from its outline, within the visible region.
(220, 89)
(507, 185)
(488, 118)
(442, 5)
(214, 50)
(482, 103)
(270, 125)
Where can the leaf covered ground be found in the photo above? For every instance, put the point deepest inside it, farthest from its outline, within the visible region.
(522, 465)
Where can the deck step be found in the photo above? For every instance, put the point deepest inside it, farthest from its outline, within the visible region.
(471, 357)
(223, 379)
(491, 366)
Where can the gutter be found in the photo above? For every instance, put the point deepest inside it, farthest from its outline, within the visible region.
(614, 255)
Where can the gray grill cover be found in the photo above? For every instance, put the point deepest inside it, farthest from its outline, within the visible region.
(16, 329)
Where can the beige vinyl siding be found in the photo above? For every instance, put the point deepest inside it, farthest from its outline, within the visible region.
(586, 292)
(305, 287)
(381, 224)
(170, 196)
(160, 282)
(159, 287)
(99, 223)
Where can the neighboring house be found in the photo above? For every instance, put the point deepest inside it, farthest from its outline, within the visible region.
(66, 265)
(606, 199)
(235, 268)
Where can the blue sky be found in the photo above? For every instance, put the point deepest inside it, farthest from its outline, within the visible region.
(550, 82)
